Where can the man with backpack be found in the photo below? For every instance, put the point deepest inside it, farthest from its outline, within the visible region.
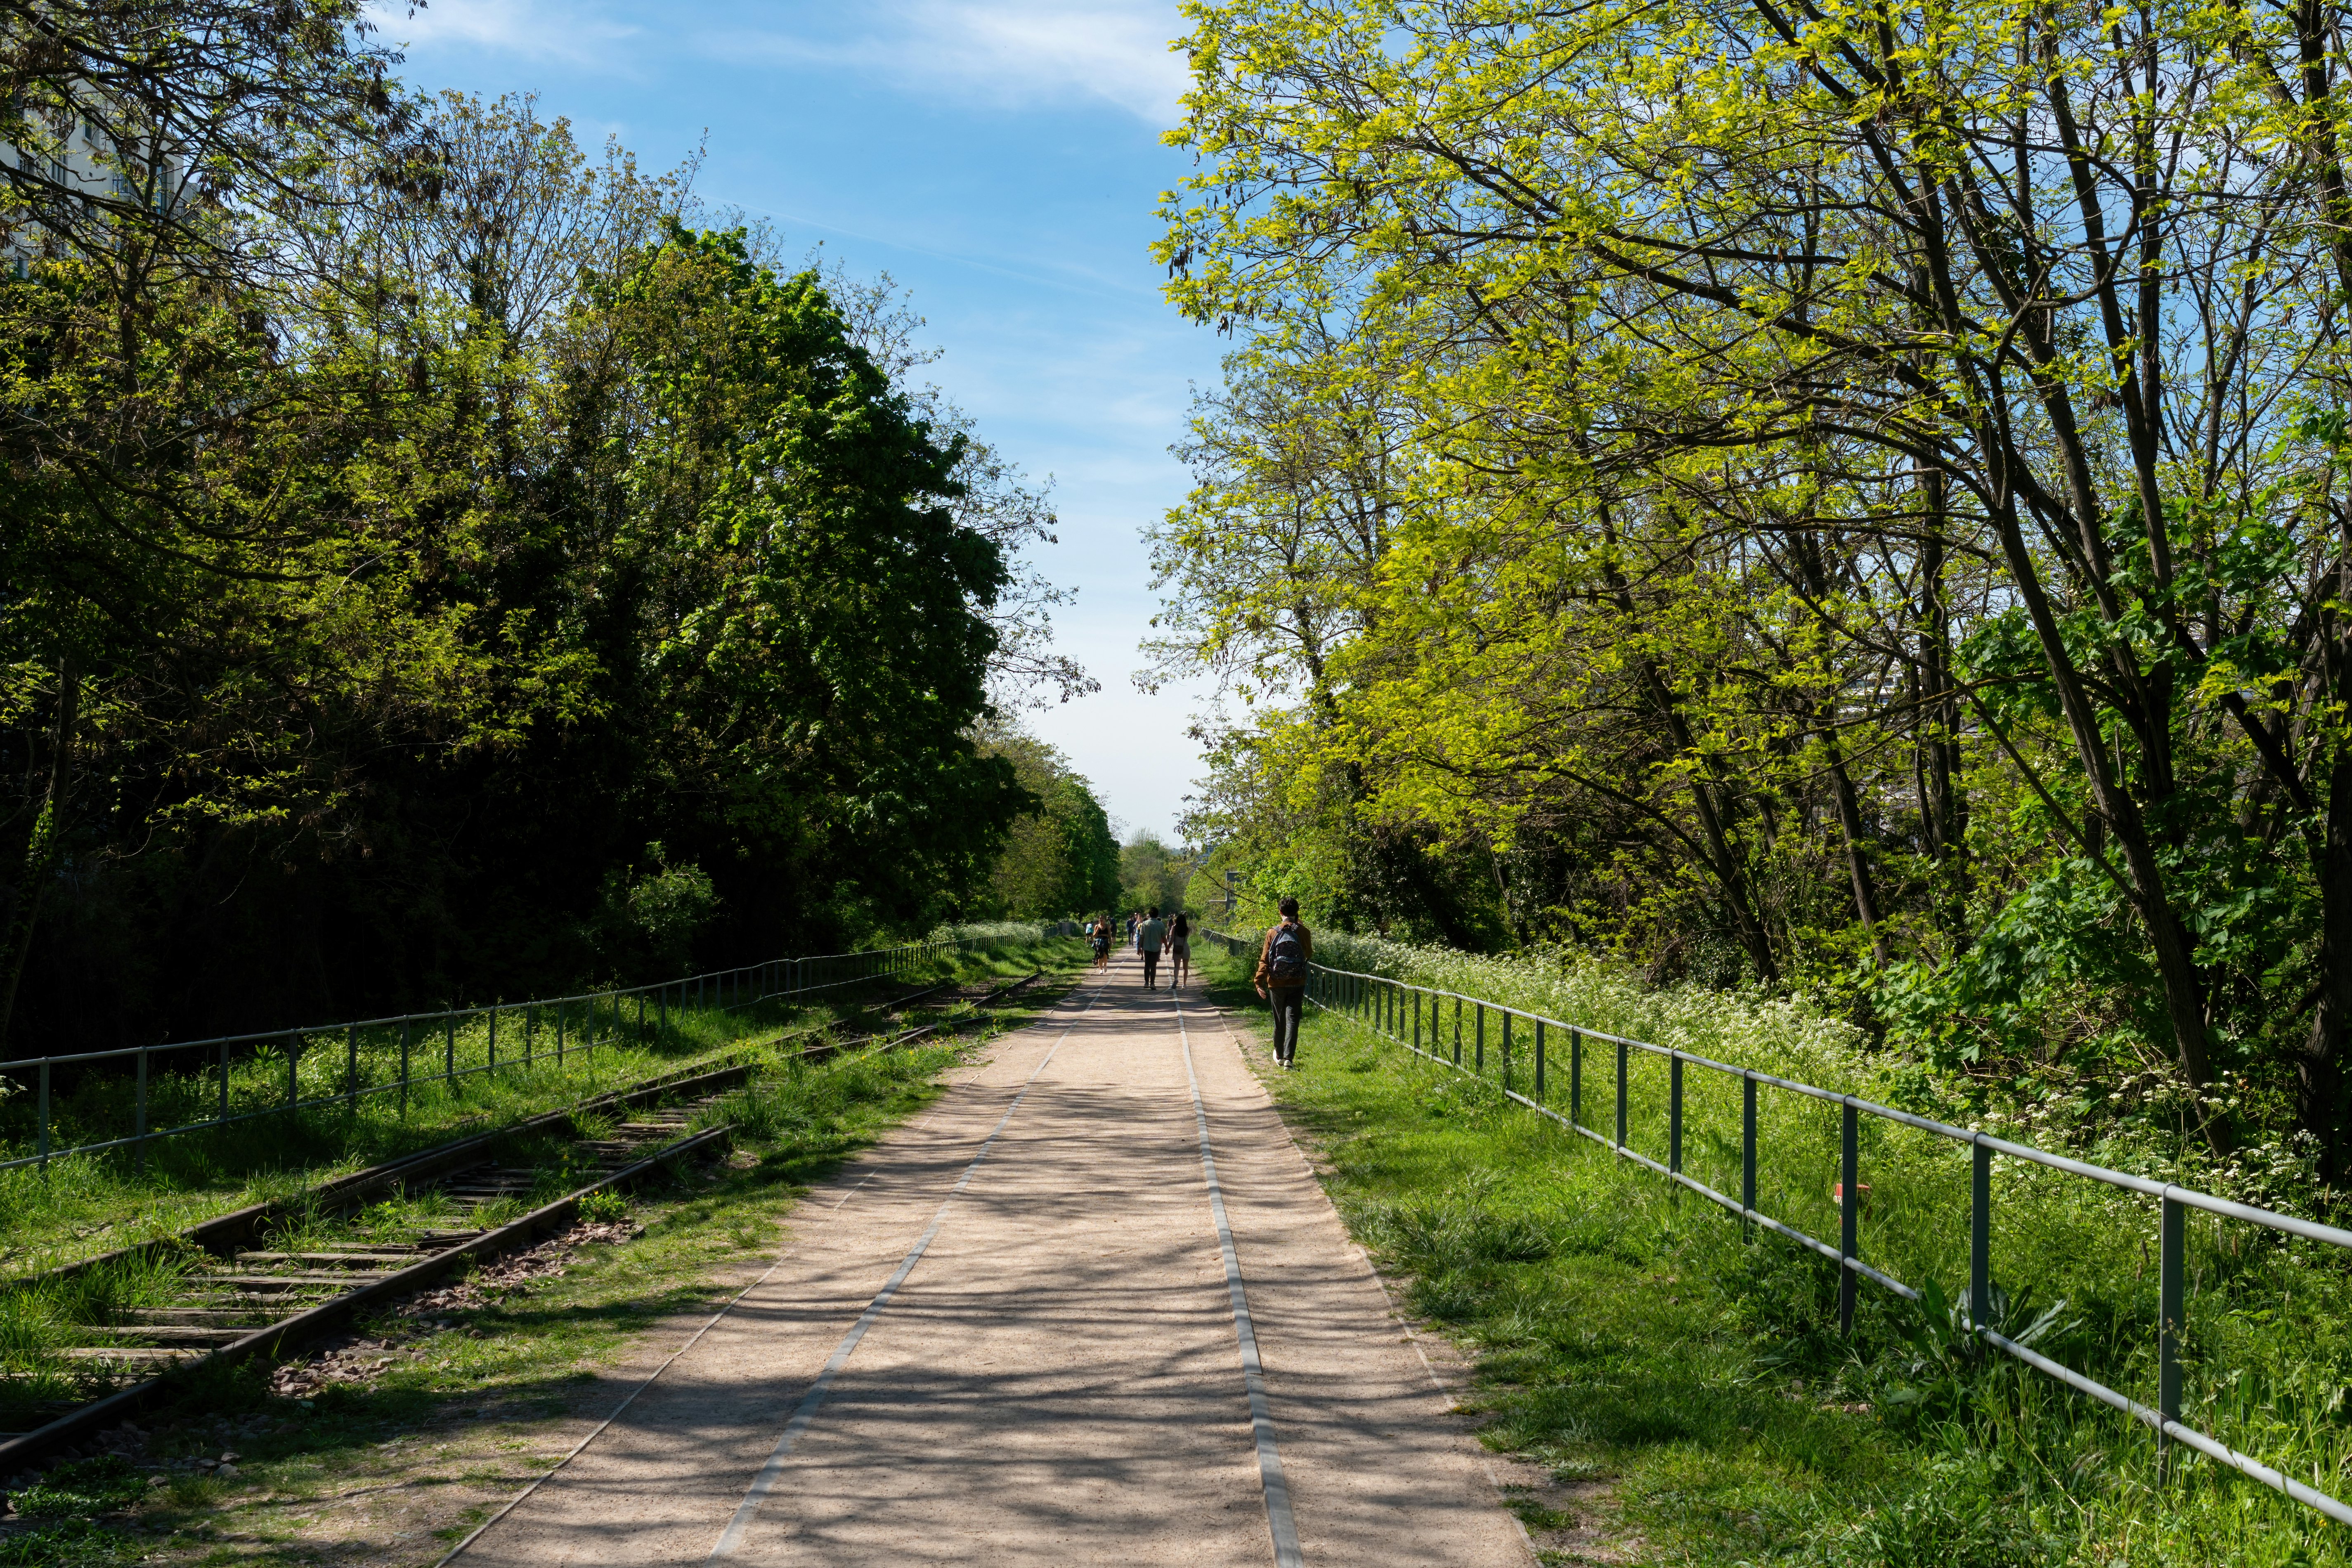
(1282, 961)
(1148, 938)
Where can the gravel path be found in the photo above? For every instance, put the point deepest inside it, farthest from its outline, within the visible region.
(1029, 1319)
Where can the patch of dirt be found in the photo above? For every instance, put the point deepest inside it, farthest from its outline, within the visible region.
(356, 1358)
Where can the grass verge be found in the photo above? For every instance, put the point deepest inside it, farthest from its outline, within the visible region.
(1687, 1380)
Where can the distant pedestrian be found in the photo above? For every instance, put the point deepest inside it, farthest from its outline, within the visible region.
(1281, 978)
(1179, 949)
(1133, 921)
(1147, 941)
(1101, 935)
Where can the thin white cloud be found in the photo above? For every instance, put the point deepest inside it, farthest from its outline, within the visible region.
(1002, 52)
(526, 29)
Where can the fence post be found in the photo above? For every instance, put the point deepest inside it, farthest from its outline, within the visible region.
(1675, 1121)
(140, 1146)
(1747, 1146)
(1478, 1010)
(1621, 1094)
(1539, 1061)
(1457, 1031)
(1416, 1020)
(45, 1115)
(2171, 1311)
(1575, 1077)
(1848, 1212)
(1507, 1053)
(1979, 1234)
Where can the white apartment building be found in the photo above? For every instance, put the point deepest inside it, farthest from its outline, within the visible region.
(83, 159)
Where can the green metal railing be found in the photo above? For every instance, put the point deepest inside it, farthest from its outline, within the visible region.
(1391, 1008)
(550, 1028)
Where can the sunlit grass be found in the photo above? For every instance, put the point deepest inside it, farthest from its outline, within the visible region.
(84, 1205)
(1623, 1331)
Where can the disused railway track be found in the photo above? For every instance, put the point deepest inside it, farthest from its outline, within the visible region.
(239, 1297)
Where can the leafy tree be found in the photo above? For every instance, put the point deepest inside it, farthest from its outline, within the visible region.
(470, 526)
(1060, 859)
(1896, 452)
(1151, 874)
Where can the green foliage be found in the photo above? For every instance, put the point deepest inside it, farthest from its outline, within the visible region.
(604, 1207)
(69, 1543)
(82, 1487)
(458, 574)
(649, 919)
(1151, 874)
(1635, 515)
(1060, 860)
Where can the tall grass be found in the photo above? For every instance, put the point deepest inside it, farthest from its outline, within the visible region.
(1489, 1187)
(37, 1321)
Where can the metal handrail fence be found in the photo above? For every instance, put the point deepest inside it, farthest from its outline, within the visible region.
(1382, 1004)
(725, 990)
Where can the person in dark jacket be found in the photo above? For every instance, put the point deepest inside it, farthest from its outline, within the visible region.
(1282, 961)
(1147, 941)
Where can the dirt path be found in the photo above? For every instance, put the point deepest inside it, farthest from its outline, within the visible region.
(1009, 1335)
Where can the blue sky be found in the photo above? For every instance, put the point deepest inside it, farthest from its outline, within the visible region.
(1001, 160)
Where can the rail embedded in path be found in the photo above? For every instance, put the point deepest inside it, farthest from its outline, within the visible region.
(1390, 1007)
(407, 1053)
(239, 1302)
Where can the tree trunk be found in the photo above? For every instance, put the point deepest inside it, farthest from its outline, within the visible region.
(1866, 891)
(41, 850)
(2322, 1105)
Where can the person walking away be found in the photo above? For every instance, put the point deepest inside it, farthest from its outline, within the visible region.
(1282, 961)
(1179, 949)
(1101, 934)
(1133, 921)
(1148, 940)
